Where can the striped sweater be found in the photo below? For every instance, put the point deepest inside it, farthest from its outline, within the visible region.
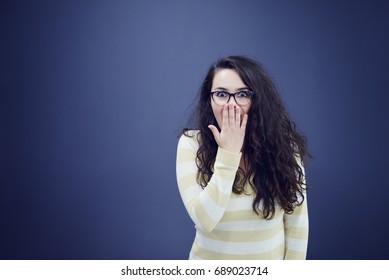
(226, 225)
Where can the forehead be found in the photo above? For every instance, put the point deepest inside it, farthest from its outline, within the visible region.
(228, 79)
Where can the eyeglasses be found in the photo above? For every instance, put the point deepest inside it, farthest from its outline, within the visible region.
(241, 97)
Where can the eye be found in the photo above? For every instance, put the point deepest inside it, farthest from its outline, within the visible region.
(221, 94)
(243, 94)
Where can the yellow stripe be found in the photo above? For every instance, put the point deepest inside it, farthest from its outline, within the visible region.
(206, 220)
(185, 154)
(242, 215)
(244, 236)
(226, 174)
(227, 158)
(295, 255)
(276, 253)
(186, 181)
(302, 209)
(191, 133)
(297, 232)
(246, 215)
(217, 196)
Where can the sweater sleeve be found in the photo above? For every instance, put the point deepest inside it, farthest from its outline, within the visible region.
(296, 230)
(205, 206)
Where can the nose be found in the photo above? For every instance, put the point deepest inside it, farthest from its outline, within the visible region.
(232, 100)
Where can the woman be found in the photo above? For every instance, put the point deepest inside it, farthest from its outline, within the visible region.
(239, 173)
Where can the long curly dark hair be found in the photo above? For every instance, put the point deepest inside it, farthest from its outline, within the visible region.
(272, 146)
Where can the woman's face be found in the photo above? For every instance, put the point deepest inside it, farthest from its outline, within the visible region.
(227, 80)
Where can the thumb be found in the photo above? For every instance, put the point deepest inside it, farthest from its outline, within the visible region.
(215, 131)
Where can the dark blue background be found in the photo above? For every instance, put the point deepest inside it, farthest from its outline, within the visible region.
(94, 93)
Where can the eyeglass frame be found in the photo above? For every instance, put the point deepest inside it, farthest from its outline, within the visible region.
(251, 93)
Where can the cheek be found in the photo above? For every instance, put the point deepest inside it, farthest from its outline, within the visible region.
(218, 113)
(246, 109)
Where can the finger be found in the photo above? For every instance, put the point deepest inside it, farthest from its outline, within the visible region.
(237, 114)
(232, 115)
(225, 116)
(215, 132)
(244, 122)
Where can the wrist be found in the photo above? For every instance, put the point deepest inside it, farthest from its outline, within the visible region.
(231, 150)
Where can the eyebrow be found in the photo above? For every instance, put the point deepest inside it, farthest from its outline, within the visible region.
(238, 89)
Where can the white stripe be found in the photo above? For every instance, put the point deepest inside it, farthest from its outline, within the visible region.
(241, 203)
(297, 244)
(213, 210)
(241, 248)
(302, 197)
(190, 193)
(224, 186)
(255, 225)
(188, 143)
(296, 220)
(195, 220)
(185, 168)
(198, 224)
(193, 256)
